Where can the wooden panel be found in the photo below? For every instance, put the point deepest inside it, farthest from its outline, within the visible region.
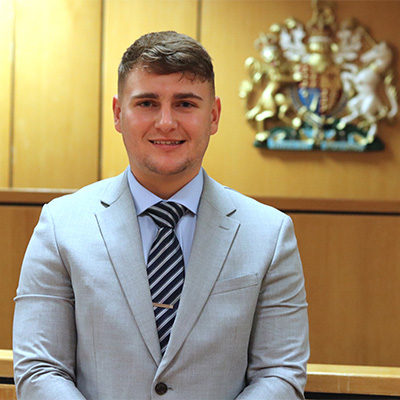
(6, 364)
(125, 21)
(228, 31)
(6, 46)
(351, 265)
(325, 378)
(17, 223)
(57, 93)
(29, 197)
(7, 392)
(297, 204)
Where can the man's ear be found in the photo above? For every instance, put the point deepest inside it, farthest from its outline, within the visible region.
(117, 113)
(215, 115)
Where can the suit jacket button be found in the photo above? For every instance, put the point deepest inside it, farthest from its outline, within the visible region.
(161, 388)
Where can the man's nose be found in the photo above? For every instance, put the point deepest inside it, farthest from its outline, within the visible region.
(166, 119)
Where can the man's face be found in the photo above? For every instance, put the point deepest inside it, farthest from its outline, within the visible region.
(166, 122)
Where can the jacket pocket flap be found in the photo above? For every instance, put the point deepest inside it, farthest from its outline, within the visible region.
(240, 282)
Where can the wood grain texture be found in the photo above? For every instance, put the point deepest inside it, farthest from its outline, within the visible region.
(6, 65)
(29, 196)
(60, 43)
(298, 204)
(7, 392)
(351, 266)
(6, 363)
(353, 379)
(17, 223)
(57, 93)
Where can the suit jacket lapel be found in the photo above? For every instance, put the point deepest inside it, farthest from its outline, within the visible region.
(215, 232)
(121, 234)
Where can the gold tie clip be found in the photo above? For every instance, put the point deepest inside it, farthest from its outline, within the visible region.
(163, 305)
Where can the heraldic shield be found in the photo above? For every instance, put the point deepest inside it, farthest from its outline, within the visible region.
(319, 86)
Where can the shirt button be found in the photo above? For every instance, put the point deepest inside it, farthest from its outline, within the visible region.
(161, 388)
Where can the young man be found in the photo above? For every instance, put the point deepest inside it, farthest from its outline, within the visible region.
(217, 311)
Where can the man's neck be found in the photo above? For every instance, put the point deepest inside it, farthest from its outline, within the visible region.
(165, 186)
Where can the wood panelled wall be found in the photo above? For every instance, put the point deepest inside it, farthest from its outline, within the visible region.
(6, 40)
(58, 75)
(228, 31)
(17, 223)
(352, 270)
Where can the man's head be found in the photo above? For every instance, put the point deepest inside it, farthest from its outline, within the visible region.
(166, 109)
(166, 53)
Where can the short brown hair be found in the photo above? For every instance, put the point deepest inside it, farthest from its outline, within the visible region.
(166, 53)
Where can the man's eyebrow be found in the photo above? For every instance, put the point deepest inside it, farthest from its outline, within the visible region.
(178, 96)
(145, 95)
(189, 95)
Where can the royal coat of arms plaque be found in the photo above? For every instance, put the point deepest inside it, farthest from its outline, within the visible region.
(319, 86)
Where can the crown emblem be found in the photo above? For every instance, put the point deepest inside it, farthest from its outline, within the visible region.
(319, 86)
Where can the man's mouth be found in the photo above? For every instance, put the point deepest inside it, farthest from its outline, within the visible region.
(168, 142)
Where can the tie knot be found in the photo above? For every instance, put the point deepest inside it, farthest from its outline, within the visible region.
(166, 214)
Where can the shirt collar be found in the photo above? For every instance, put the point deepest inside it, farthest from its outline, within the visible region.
(188, 196)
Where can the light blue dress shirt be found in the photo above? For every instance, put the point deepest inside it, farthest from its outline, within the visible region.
(189, 196)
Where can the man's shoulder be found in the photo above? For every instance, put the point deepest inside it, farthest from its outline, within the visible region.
(246, 205)
(250, 205)
(91, 194)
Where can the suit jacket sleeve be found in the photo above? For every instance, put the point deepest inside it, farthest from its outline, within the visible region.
(279, 347)
(44, 322)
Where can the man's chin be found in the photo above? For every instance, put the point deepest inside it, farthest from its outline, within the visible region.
(171, 170)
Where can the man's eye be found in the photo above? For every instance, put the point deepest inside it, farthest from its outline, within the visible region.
(186, 104)
(146, 104)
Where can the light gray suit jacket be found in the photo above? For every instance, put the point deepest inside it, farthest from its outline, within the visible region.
(84, 323)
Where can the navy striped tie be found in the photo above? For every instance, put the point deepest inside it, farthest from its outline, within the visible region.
(165, 268)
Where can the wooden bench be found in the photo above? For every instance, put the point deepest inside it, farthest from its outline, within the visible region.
(356, 380)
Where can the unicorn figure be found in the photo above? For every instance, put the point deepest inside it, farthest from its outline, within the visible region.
(364, 83)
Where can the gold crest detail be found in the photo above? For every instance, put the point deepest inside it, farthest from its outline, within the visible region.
(319, 86)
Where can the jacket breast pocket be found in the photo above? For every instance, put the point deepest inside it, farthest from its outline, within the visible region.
(240, 282)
